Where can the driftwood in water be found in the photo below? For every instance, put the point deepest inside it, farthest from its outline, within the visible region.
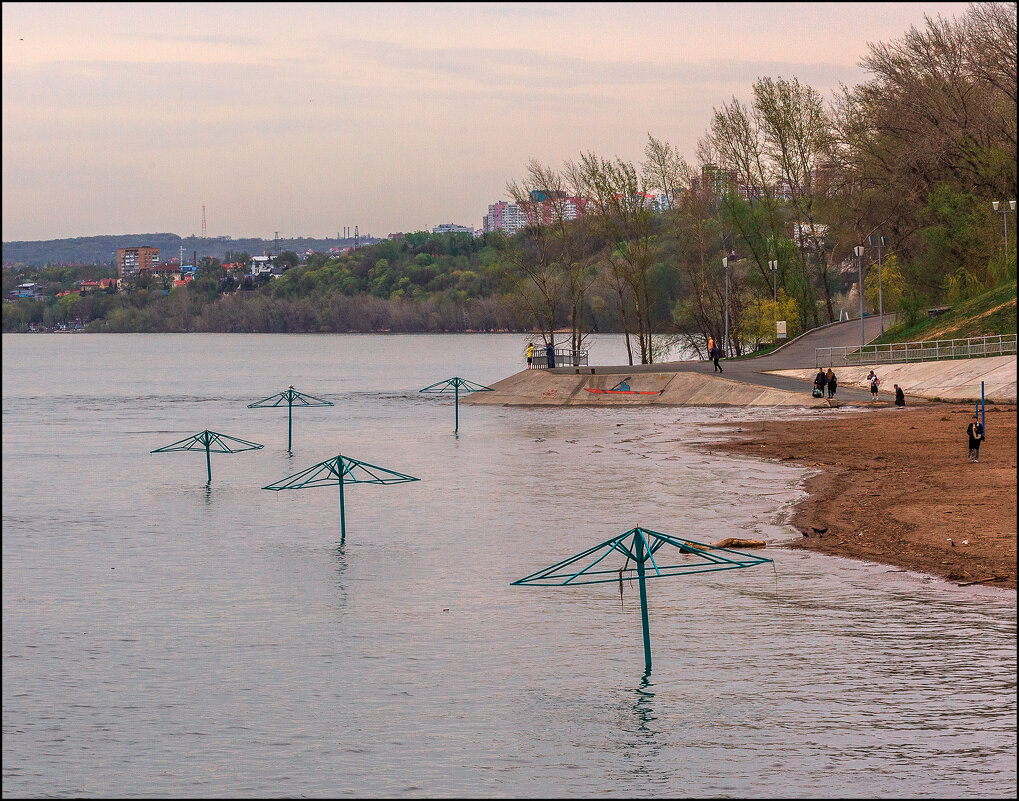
(983, 580)
(736, 542)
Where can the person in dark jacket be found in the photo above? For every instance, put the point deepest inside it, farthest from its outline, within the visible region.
(550, 354)
(900, 396)
(820, 381)
(833, 382)
(715, 354)
(975, 431)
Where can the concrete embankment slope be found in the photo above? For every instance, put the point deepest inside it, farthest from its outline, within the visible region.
(952, 380)
(548, 388)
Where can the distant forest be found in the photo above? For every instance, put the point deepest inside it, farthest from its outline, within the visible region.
(102, 250)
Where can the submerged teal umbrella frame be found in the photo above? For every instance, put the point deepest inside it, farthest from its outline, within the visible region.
(212, 443)
(639, 545)
(340, 470)
(290, 397)
(455, 384)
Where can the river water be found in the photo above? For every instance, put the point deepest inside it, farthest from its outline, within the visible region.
(165, 638)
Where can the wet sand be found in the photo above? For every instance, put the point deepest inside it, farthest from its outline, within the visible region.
(896, 486)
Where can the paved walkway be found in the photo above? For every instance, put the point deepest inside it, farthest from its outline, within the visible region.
(799, 353)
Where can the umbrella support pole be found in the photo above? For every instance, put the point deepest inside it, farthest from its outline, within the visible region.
(639, 545)
(343, 519)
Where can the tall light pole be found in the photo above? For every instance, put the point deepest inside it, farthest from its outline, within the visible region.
(774, 275)
(1003, 211)
(880, 243)
(725, 264)
(858, 250)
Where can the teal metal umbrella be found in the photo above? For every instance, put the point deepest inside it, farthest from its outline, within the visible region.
(291, 397)
(340, 470)
(639, 546)
(212, 443)
(454, 385)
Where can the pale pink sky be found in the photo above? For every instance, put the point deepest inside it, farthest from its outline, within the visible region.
(303, 119)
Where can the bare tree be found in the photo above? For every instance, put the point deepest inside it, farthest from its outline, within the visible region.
(797, 132)
(665, 170)
(624, 216)
(550, 199)
(538, 258)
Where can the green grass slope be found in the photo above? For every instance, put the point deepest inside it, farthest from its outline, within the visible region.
(990, 313)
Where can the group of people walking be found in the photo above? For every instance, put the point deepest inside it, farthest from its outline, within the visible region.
(825, 381)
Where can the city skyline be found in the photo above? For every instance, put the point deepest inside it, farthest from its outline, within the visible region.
(307, 119)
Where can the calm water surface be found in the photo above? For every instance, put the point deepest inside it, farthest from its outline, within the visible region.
(162, 638)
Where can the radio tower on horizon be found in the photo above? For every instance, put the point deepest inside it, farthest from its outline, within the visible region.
(204, 232)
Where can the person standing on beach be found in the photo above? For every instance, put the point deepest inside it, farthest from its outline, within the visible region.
(874, 381)
(715, 354)
(976, 436)
(830, 377)
(550, 354)
(900, 396)
(530, 354)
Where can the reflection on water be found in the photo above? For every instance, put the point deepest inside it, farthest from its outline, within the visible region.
(162, 637)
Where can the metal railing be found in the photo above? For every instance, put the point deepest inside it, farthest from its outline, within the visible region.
(929, 351)
(564, 357)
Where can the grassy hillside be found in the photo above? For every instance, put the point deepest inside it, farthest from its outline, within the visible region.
(989, 313)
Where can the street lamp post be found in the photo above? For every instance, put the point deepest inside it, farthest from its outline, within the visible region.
(1003, 211)
(880, 243)
(774, 309)
(858, 250)
(725, 264)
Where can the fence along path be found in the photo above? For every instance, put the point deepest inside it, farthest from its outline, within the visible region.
(924, 351)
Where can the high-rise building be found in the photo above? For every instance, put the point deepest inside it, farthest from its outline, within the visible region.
(130, 261)
(503, 216)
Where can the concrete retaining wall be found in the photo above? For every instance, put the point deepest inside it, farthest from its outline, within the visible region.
(543, 388)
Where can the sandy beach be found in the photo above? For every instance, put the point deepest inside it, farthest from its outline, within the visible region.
(896, 486)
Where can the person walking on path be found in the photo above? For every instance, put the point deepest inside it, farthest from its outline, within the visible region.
(900, 396)
(820, 381)
(550, 354)
(530, 354)
(874, 382)
(832, 383)
(975, 431)
(715, 354)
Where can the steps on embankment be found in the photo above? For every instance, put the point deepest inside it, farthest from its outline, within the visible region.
(546, 388)
(951, 380)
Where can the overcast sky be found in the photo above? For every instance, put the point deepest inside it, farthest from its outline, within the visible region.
(303, 119)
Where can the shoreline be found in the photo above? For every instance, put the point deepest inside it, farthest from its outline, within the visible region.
(896, 487)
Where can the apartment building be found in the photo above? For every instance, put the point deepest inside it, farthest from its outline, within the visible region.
(131, 261)
(503, 216)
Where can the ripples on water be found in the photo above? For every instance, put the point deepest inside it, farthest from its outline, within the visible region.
(164, 638)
